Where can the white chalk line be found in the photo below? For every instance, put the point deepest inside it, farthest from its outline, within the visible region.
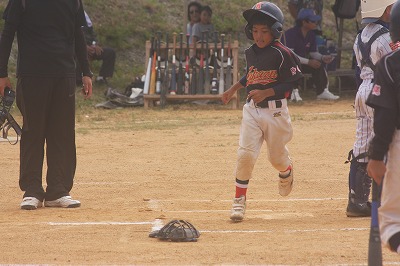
(158, 224)
(248, 200)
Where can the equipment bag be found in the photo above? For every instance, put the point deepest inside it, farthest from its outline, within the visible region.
(346, 8)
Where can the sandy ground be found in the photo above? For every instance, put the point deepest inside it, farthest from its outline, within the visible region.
(138, 168)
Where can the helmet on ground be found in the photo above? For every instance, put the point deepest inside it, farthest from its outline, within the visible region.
(395, 22)
(267, 12)
(372, 10)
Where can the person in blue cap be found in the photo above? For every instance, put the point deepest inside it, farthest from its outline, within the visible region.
(302, 40)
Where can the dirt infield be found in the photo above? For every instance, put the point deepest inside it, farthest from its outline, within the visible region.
(137, 168)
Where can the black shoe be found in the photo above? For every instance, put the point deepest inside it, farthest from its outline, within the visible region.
(358, 209)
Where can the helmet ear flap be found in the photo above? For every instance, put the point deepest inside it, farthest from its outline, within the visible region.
(277, 29)
(247, 30)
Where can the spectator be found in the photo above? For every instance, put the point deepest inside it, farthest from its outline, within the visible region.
(193, 16)
(48, 34)
(96, 52)
(302, 40)
(317, 5)
(203, 25)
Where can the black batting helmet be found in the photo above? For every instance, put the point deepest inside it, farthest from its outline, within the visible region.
(395, 22)
(267, 12)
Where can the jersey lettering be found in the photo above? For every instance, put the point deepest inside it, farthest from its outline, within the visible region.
(263, 77)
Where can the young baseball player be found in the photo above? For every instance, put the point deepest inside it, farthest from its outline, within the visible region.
(385, 99)
(272, 72)
(370, 45)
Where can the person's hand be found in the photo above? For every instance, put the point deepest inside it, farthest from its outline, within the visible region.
(314, 63)
(260, 95)
(327, 59)
(97, 49)
(87, 87)
(91, 51)
(376, 170)
(4, 82)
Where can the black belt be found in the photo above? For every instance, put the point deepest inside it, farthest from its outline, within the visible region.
(264, 104)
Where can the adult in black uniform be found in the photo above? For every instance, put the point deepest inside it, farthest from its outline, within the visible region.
(385, 99)
(49, 35)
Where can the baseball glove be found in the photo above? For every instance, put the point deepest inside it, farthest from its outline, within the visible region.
(177, 231)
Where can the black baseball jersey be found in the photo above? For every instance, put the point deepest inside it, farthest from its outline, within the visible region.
(270, 66)
(49, 36)
(385, 99)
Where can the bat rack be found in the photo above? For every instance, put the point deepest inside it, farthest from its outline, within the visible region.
(150, 100)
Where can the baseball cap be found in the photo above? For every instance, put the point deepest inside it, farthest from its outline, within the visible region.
(306, 13)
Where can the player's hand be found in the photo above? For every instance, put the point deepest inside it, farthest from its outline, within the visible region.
(87, 88)
(260, 95)
(4, 82)
(314, 63)
(376, 170)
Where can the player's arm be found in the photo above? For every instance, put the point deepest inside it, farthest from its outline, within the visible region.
(384, 127)
(81, 54)
(6, 41)
(383, 99)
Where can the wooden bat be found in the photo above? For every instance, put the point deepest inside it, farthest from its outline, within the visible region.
(153, 69)
(200, 80)
(146, 86)
(180, 69)
(173, 71)
(158, 79)
(165, 81)
(375, 247)
(207, 78)
(187, 68)
(214, 81)
(221, 70)
(228, 81)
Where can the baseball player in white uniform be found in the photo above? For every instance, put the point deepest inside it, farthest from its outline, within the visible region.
(370, 45)
(385, 99)
(272, 73)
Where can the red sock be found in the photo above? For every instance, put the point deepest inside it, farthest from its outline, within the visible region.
(241, 188)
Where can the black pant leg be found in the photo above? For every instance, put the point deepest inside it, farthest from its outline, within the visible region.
(319, 75)
(108, 57)
(32, 101)
(60, 139)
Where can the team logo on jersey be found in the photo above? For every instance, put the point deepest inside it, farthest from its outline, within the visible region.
(376, 90)
(263, 77)
(293, 70)
(394, 46)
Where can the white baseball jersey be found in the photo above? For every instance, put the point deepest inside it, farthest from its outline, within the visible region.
(364, 113)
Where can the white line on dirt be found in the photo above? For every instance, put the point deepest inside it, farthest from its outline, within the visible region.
(157, 223)
(249, 200)
(97, 223)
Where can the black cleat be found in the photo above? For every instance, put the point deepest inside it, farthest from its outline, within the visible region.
(358, 209)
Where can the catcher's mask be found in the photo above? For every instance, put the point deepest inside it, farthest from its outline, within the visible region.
(177, 231)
